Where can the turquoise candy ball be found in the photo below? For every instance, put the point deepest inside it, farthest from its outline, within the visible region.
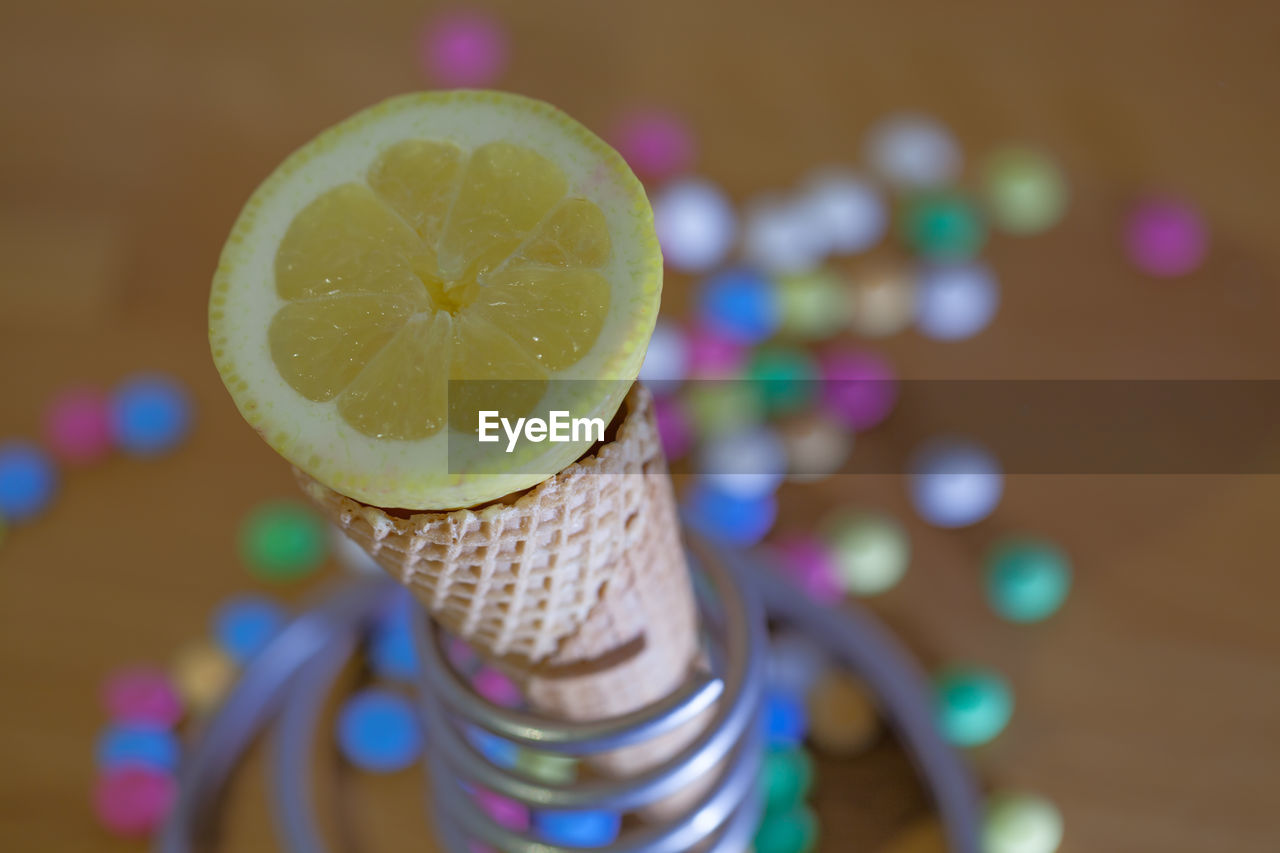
(794, 831)
(942, 225)
(785, 377)
(786, 776)
(973, 704)
(1027, 580)
(1021, 823)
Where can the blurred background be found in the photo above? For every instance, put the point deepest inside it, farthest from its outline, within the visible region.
(1147, 709)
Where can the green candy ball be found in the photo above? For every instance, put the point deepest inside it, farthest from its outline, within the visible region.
(718, 407)
(972, 705)
(943, 225)
(787, 776)
(1024, 190)
(795, 831)
(871, 550)
(1021, 823)
(813, 305)
(283, 541)
(786, 378)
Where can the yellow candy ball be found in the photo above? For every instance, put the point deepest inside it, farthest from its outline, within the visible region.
(843, 719)
(203, 674)
(882, 300)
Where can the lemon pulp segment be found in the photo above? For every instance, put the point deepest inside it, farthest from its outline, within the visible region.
(444, 264)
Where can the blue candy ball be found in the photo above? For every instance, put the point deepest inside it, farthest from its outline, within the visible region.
(27, 481)
(729, 519)
(150, 414)
(577, 828)
(378, 731)
(954, 483)
(499, 751)
(973, 705)
(785, 717)
(741, 305)
(1027, 580)
(147, 746)
(243, 626)
(392, 649)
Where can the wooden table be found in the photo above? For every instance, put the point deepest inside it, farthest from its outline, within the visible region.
(1149, 709)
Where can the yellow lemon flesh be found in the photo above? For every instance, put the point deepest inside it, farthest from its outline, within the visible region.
(478, 243)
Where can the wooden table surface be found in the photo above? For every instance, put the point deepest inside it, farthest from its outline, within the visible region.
(1149, 709)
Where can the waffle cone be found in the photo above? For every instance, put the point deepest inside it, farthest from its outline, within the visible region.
(577, 587)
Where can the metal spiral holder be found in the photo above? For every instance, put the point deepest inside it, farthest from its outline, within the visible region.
(285, 687)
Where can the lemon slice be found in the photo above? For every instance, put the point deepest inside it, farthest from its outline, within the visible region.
(434, 255)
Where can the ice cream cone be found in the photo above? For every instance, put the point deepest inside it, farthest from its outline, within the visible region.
(578, 587)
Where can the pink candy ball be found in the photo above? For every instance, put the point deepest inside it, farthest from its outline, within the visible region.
(858, 389)
(712, 356)
(655, 144)
(810, 566)
(1166, 238)
(497, 688)
(674, 427)
(78, 425)
(132, 800)
(506, 812)
(464, 50)
(145, 696)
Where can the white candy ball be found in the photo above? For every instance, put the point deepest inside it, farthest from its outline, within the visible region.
(954, 483)
(794, 664)
(666, 361)
(745, 464)
(954, 302)
(696, 224)
(351, 556)
(846, 210)
(779, 236)
(913, 151)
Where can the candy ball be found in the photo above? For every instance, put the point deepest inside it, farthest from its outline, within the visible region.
(131, 801)
(666, 361)
(954, 302)
(78, 425)
(728, 519)
(858, 388)
(578, 828)
(846, 211)
(882, 300)
(787, 776)
(913, 151)
(465, 49)
(779, 236)
(695, 223)
(505, 811)
(378, 731)
(745, 464)
(150, 414)
(973, 704)
(27, 481)
(1027, 580)
(392, 649)
(462, 657)
(794, 664)
(794, 831)
(842, 716)
(499, 751)
(812, 305)
(243, 626)
(870, 551)
(954, 483)
(548, 766)
(142, 696)
(716, 408)
(674, 426)
(1021, 823)
(656, 144)
(282, 540)
(150, 746)
(740, 305)
(494, 686)
(786, 721)
(712, 355)
(1024, 190)
(816, 447)
(1166, 238)
(924, 835)
(786, 376)
(203, 673)
(808, 564)
(942, 226)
